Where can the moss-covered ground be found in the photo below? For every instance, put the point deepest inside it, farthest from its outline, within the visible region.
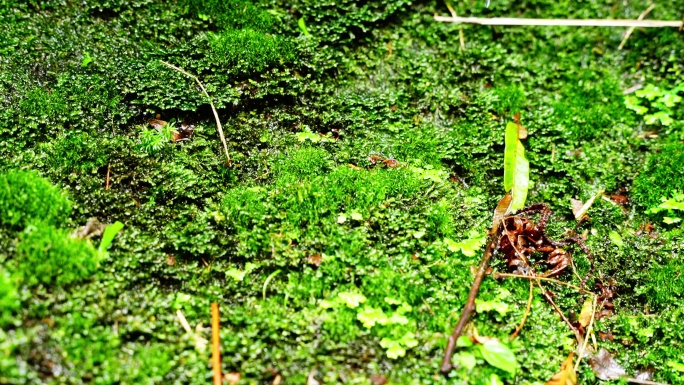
(326, 262)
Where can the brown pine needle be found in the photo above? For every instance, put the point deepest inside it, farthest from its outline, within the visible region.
(213, 109)
(527, 312)
(498, 275)
(631, 29)
(216, 344)
(561, 22)
(107, 183)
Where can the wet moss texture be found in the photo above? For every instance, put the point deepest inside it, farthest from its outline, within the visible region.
(366, 154)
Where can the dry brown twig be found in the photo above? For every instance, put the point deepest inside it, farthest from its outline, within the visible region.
(562, 22)
(216, 344)
(631, 29)
(461, 38)
(213, 109)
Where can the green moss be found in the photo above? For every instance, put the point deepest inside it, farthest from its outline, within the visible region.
(9, 299)
(26, 197)
(250, 51)
(49, 256)
(232, 14)
(662, 177)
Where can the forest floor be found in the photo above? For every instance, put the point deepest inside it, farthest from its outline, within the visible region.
(366, 159)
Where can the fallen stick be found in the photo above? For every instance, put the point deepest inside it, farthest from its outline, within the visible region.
(216, 344)
(469, 307)
(213, 109)
(562, 22)
(631, 29)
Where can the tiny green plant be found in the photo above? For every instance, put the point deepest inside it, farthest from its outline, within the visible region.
(153, 140)
(654, 103)
(674, 208)
(109, 234)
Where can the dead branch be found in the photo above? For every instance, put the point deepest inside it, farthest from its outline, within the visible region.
(561, 22)
(213, 109)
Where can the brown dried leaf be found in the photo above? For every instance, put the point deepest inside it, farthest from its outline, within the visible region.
(232, 378)
(378, 379)
(576, 206)
(566, 375)
(586, 313)
(605, 367)
(619, 199)
(277, 380)
(314, 259)
(157, 123)
(522, 131)
(501, 210)
(391, 163)
(170, 260)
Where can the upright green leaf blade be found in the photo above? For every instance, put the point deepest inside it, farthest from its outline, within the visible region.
(516, 168)
(499, 355)
(109, 234)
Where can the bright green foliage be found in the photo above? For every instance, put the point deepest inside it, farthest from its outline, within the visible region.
(248, 51)
(108, 235)
(655, 103)
(516, 168)
(26, 197)
(662, 176)
(498, 355)
(49, 256)
(674, 207)
(9, 300)
(236, 15)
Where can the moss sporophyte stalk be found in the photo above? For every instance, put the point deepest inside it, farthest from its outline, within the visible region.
(366, 145)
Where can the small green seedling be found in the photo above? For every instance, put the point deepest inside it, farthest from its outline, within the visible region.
(655, 103)
(109, 234)
(670, 205)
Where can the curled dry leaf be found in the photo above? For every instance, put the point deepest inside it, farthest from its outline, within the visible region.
(579, 210)
(157, 123)
(566, 375)
(501, 210)
(605, 367)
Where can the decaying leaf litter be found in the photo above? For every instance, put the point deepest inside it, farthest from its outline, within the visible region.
(366, 155)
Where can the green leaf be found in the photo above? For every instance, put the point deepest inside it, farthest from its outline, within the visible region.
(483, 306)
(86, 60)
(302, 25)
(468, 247)
(308, 135)
(409, 340)
(394, 348)
(663, 116)
(616, 238)
(356, 216)
(499, 356)
(369, 316)
(341, 218)
(671, 220)
(240, 275)
(676, 366)
(464, 342)
(632, 102)
(352, 299)
(466, 360)
(516, 168)
(109, 234)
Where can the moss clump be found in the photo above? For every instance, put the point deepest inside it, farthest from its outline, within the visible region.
(9, 300)
(231, 14)
(49, 256)
(251, 51)
(26, 197)
(664, 175)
